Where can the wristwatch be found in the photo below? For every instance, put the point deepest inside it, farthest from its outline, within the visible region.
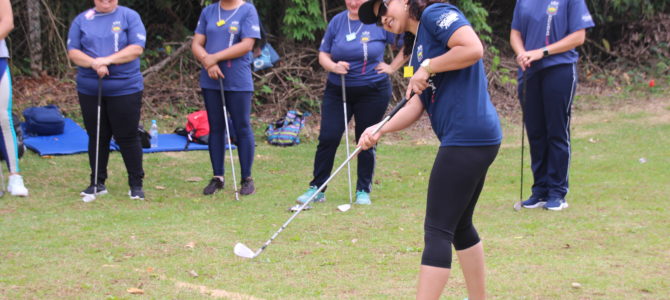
(545, 52)
(426, 65)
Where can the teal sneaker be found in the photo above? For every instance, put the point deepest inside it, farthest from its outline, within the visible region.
(308, 194)
(363, 198)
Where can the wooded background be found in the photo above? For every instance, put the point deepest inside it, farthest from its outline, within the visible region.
(628, 45)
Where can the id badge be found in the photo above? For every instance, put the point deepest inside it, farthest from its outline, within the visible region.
(408, 71)
(351, 37)
(220, 23)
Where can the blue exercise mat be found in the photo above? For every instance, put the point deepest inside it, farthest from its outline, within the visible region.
(73, 140)
(175, 142)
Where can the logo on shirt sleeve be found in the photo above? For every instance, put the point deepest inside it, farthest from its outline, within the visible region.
(141, 37)
(256, 28)
(587, 18)
(552, 9)
(447, 19)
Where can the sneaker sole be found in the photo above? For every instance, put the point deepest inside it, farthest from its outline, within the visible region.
(563, 205)
(539, 204)
(97, 194)
(134, 197)
(19, 194)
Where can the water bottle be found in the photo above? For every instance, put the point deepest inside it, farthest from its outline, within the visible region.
(154, 134)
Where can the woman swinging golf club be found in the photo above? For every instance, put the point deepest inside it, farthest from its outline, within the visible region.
(447, 73)
(353, 54)
(225, 34)
(105, 42)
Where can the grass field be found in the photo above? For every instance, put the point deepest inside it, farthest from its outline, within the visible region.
(612, 243)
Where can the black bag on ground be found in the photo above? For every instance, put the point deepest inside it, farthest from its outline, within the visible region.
(145, 137)
(44, 120)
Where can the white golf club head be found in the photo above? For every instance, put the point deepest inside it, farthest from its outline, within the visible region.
(344, 207)
(517, 206)
(88, 198)
(242, 250)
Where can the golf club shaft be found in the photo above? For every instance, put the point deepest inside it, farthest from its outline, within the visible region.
(230, 146)
(346, 133)
(323, 186)
(523, 130)
(97, 140)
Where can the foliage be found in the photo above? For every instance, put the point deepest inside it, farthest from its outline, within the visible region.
(303, 19)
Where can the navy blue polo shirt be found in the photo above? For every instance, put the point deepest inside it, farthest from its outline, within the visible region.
(223, 29)
(103, 34)
(457, 102)
(544, 22)
(361, 45)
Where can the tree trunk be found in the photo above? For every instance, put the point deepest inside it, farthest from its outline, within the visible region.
(34, 36)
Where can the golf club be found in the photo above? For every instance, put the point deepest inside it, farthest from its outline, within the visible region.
(245, 252)
(88, 197)
(344, 207)
(519, 205)
(230, 145)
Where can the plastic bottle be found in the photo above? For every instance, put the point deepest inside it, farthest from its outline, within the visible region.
(154, 134)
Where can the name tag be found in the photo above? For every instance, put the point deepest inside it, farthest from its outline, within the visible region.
(408, 71)
(351, 37)
(221, 23)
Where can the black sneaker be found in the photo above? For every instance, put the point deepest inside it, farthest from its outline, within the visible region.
(214, 185)
(247, 186)
(89, 190)
(136, 193)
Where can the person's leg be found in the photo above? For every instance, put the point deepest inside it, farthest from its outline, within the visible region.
(558, 89)
(474, 271)
(537, 133)
(89, 111)
(238, 105)
(8, 141)
(332, 127)
(368, 105)
(455, 182)
(123, 113)
(217, 129)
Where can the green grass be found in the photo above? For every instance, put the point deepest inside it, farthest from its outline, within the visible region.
(613, 240)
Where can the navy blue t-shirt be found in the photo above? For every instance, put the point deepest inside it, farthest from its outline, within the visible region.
(544, 22)
(222, 29)
(457, 102)
(103, 34)
(361, 45)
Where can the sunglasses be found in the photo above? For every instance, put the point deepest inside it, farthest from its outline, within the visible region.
(382, 11)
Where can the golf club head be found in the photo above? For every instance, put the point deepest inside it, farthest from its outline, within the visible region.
(88, 198)
(344, 207)
(517, 206)
(242, 250)
(297, 207)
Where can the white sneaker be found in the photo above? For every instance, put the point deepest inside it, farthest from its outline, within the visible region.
(16, 187)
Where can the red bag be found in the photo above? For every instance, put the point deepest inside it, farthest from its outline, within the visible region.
(197, 127)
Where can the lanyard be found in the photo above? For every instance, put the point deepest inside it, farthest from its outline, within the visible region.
(223, 22)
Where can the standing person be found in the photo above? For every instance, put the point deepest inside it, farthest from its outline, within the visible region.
(544, 36)
(355, 50)
(8, 142)
(225, 35)
(105, 42)
(450, 80)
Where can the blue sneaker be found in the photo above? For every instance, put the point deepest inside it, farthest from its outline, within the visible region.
(308, 194)
(534, 202)
(363, 198)
(556, 204)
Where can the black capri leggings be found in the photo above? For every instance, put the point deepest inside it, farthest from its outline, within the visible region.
(455, 183)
